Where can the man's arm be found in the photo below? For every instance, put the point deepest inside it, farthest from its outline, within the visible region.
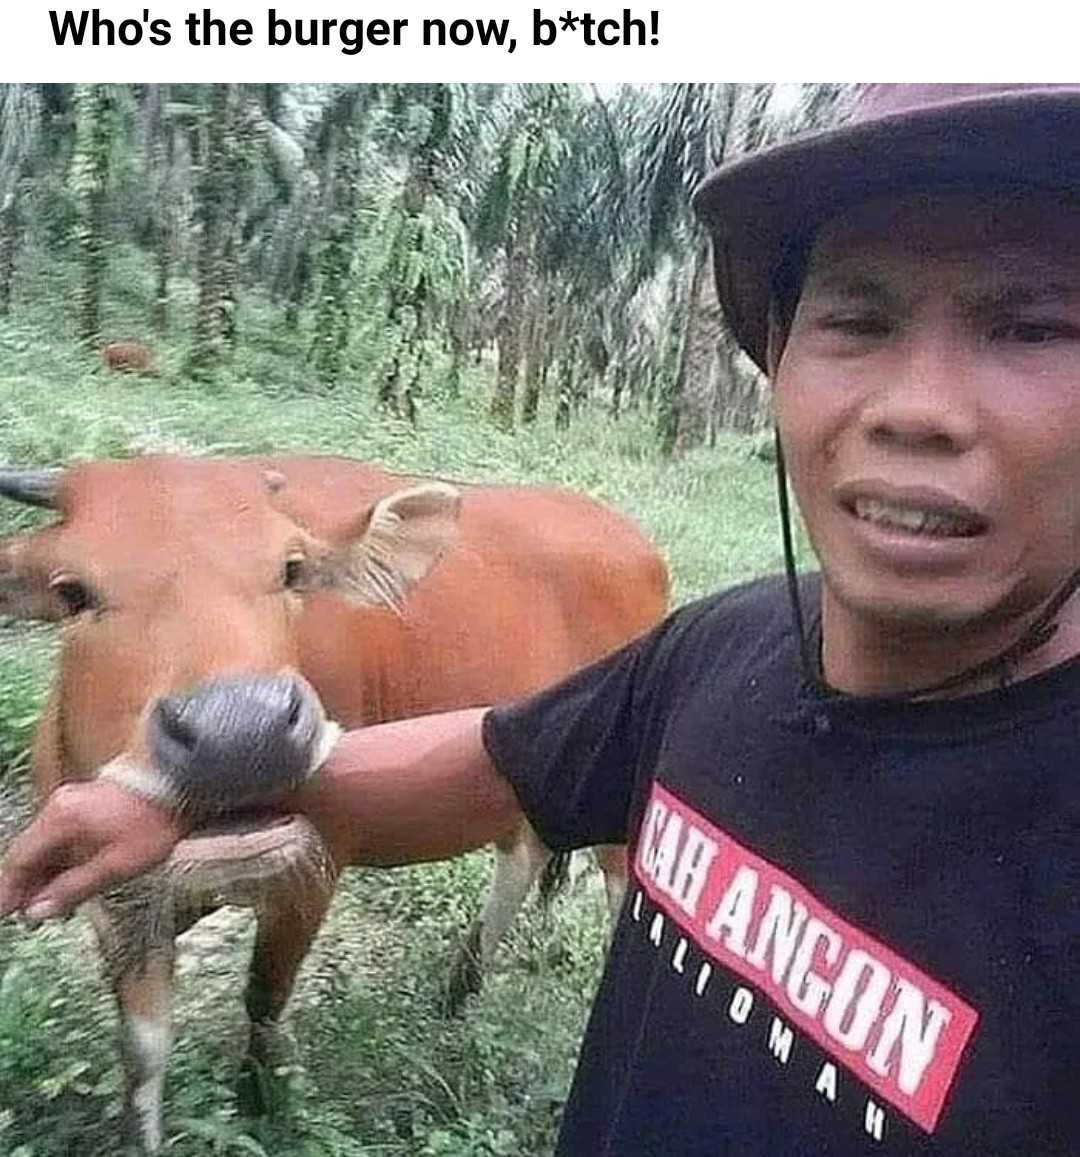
(421, 789)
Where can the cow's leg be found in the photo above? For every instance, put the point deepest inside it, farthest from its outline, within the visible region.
(286, 927)
(146, 999)
(519, 860)
(611, 859)
(139, 953)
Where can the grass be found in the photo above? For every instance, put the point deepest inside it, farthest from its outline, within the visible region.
(374, 1071)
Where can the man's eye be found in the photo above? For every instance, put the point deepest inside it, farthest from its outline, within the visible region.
(1034, 332)
(856, 324)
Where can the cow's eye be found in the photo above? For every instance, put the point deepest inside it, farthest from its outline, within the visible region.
(75, 595)
(292, 573)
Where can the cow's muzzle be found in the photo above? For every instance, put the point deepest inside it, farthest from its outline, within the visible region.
(231, 744)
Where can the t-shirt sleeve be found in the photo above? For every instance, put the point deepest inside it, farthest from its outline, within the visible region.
(581, 755)
(573, 751)
(569, 752)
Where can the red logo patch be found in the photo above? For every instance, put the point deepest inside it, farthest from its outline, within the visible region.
(897, 1029)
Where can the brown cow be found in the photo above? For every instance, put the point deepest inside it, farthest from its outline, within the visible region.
(205, 624)
(128, 357)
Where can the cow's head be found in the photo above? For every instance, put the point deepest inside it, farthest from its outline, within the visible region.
(179, 582)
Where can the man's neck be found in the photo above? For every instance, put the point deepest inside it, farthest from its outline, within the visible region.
(864, 657)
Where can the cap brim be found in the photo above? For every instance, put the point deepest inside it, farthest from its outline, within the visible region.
(756, 206)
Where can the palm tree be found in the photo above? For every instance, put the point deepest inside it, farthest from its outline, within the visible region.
(696, 127)
(94, 132)
(591, 251)
(687, 135)
(532, 126)
(167, 118)
(425, 266)
(339, 140)
(285, 255)
(229, 146)
(20, 133)
(216, 148)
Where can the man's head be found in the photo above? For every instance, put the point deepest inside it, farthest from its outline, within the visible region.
(929, 396)
(919, 315)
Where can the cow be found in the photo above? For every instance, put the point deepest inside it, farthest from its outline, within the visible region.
(128, 357)
(230, 612)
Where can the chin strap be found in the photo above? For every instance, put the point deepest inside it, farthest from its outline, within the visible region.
(811, 664)
(1002, 665)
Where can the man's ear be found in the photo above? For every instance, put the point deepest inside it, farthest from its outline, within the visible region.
(406, 535)
(24, 591)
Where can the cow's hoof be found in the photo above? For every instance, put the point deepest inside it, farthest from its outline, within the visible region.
(251, 1090)
(466, 977)
(141, 1138)
(262, 1089)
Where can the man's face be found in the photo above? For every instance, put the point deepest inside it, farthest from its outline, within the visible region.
(928, 398)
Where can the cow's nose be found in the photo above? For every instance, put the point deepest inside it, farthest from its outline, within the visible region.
(235, 740)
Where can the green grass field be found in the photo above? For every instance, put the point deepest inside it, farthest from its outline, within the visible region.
(374, 1071)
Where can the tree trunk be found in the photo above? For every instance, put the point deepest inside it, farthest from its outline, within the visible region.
(414, 388)
(158, 161)
(333, 321)
(164, 266)
(618, 383)
(517, 274)
(90, 174)
(298, 287)
(408, 310)
(230, 286)
(9, 245)
(208, 345)
(691, 395)
(458, 351)
(564, 406)
(742, 400)
(535, 357)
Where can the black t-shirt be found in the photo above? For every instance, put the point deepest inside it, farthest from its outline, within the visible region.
(852, 927)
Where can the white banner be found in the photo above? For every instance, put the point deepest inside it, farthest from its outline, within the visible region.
(572, 40)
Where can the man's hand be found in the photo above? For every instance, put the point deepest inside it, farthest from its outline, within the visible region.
(87, 837)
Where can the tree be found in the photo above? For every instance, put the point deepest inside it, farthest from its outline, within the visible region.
(685, 138)
(20, 129)
(338, 150)
(216, 148)
(166, 123)
(532, 128)
(89, 182)
(584, 260)
(427, 260)
(693, 129)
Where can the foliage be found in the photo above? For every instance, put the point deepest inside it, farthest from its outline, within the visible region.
(549, 220)
(373, 1070)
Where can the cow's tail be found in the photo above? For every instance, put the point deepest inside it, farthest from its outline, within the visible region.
(554, 877)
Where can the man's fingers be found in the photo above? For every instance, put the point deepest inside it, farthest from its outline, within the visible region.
(29, 859)
(87, 837)
(70, 888)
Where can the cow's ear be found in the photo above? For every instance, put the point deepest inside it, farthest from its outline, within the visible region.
(24, 591)
(406, 535)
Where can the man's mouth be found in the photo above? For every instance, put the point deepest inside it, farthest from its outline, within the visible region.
(917, 520)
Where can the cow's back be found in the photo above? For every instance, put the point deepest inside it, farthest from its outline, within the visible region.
(540, 582)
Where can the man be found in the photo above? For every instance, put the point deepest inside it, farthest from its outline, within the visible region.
(854, 922)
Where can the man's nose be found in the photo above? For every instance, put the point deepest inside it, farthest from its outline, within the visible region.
(926, 400)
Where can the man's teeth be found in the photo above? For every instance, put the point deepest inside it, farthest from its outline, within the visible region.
(913, 520)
